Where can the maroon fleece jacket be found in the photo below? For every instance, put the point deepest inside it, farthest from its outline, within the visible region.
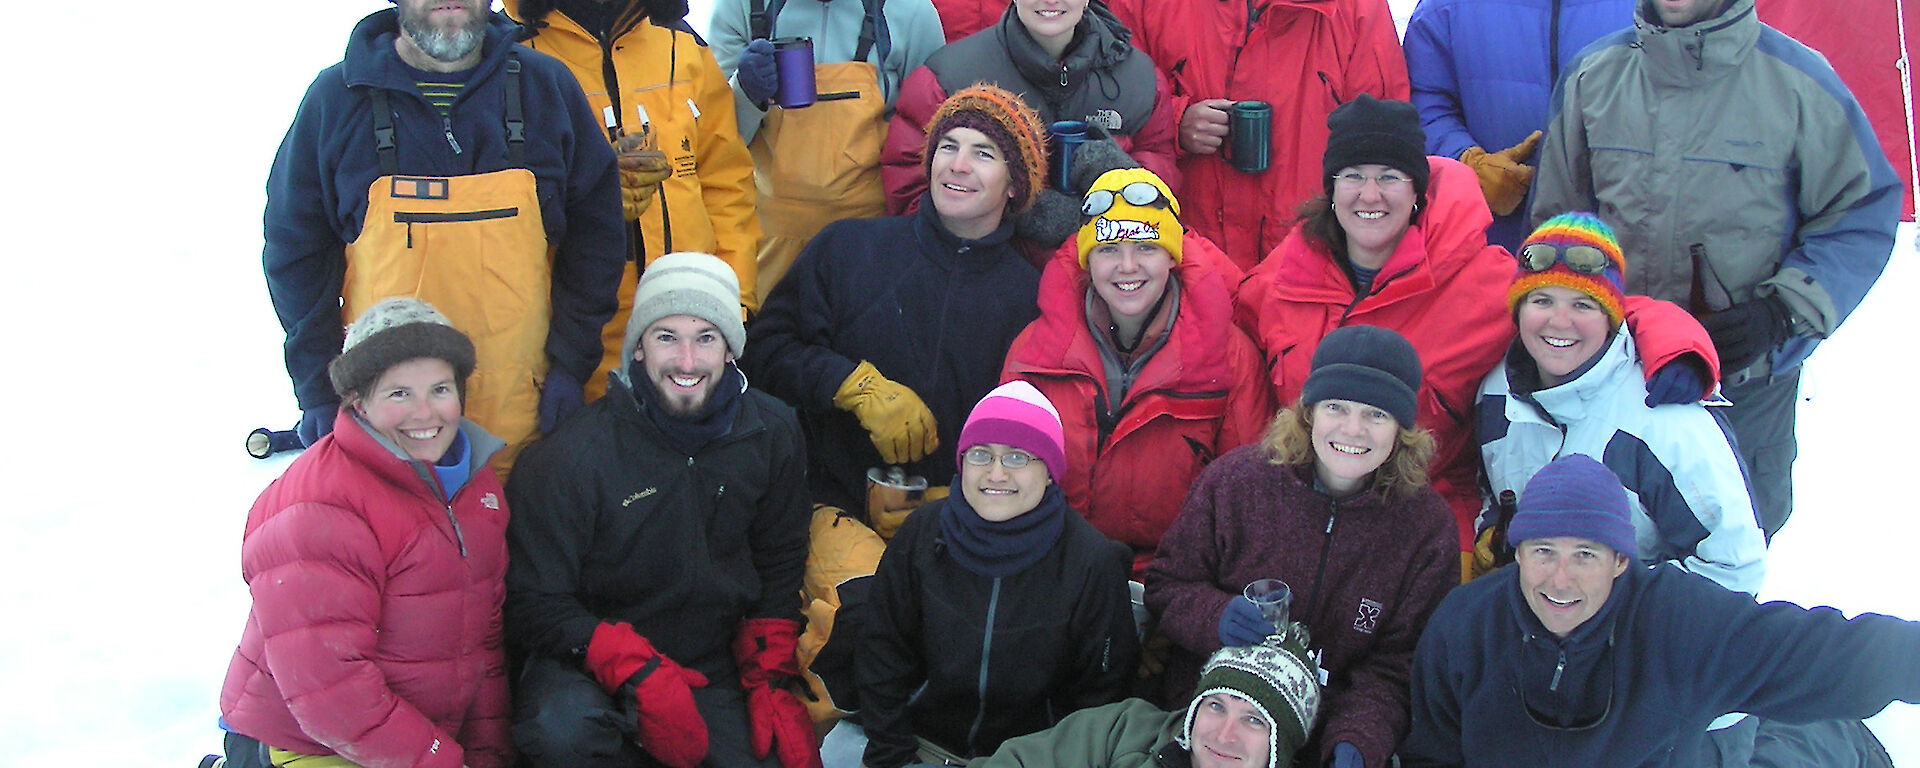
(1365, 575)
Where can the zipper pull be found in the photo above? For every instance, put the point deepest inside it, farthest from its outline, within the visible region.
(1063, 74)
(1557, 669)
(446, 126)
(694, 108)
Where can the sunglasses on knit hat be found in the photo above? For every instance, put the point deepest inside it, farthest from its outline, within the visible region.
(1584, 259)
(1139, 193)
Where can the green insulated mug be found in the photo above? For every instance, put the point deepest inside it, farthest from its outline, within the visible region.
(1250, 136)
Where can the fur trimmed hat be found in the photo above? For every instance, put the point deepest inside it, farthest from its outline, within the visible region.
(392, 332)
(1016, 415)
(1575, 496)
(1565, 231)
(687, 283)
(1277, 677)
(1009, 123)
(1157, 222)
(1368, 365)
(1371, 131)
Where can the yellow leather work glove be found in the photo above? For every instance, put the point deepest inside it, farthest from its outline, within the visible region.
(1504, 175)
(899, 424)
(642, 168)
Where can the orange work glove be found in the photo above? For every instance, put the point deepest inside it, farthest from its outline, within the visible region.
(895, 418)
(1504, 175)
(642, 168)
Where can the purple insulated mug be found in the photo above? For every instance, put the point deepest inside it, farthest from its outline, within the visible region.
(793, 63)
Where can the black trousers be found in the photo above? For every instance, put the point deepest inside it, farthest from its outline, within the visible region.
(562, 719)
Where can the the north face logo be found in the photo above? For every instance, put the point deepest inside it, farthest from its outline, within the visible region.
(1368, 619)
(1105, 230)
(490, 501)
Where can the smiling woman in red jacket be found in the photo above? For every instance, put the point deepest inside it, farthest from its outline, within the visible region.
(376, 566)
(1135, 345)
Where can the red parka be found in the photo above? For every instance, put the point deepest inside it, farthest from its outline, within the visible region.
(1443, 288)
(1304, 57)
(375, 627)
(1197, 397)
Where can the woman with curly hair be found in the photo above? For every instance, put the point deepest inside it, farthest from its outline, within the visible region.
(1334, 502)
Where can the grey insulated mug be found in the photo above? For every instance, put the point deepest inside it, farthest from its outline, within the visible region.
(793, 63)
(1249, 136)
(1065, 137)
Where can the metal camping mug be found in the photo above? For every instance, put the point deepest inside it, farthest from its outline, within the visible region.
(1065, 137)
(793, 65)
(1249, 136)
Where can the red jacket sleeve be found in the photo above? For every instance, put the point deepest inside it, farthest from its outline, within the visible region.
(1663, 332)
(901, 170)
(1156, 145)
(1375, 63)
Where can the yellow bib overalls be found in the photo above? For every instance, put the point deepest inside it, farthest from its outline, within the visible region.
(476, 249)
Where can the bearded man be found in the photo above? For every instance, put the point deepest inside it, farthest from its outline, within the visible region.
(438, 160)
(657, 524)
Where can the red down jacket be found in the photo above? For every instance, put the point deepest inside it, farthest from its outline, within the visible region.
(1304, 57)
(375, 627)
(1196, 398)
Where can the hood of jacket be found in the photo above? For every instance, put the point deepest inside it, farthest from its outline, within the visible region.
(1450, 233)
(1100, 43)
(1705, 51)
(372, 61)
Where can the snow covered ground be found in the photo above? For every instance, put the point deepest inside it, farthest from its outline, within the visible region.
(141, 340)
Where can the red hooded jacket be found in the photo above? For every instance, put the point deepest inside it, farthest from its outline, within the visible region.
(375, 627)
(1444, 289)
(1304, 57)
(1195, 398)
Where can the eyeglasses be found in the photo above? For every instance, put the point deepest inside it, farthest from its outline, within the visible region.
(1584, 259)
(982, 457)
(1354, 180)
(1139, 193)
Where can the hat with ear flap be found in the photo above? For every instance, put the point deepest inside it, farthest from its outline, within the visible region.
(1277, 677)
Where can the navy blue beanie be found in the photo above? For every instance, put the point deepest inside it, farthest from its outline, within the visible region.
(1575, 496)
(1369, 365)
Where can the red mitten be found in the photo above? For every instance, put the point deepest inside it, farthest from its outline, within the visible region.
(765, 650)
(671, 728)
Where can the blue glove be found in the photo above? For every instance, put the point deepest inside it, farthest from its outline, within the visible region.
(316, 423)
(560, 396)
(1682, 380)
(1346, 755)
(758, 78)
(1241, 623)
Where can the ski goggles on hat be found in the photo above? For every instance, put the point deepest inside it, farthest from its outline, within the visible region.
(1139, 193)
(1584, 259)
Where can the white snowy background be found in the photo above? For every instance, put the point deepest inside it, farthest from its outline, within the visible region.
(142, 350)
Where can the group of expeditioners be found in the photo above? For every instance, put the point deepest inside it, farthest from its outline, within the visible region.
(653, 423)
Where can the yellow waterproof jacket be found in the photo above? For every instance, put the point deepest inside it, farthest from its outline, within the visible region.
(708, 203)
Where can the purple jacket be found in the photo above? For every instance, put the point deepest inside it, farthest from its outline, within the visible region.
(1365, 576)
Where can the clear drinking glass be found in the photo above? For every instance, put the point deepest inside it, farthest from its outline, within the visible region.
(1273, 597)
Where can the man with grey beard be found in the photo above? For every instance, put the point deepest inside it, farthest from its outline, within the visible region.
(440, 160)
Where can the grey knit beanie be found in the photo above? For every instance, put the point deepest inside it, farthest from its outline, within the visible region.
(687, 283)
(1366, 364)
(392, 332)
